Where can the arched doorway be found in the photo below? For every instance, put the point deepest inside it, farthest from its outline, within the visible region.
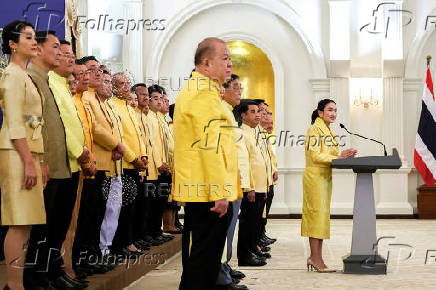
(255, 71)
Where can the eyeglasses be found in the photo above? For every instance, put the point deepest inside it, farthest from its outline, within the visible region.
(95, 70)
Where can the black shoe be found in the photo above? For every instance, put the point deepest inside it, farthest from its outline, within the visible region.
(61, 284)
(251, 260)
(87, 271)
(273, 240)
(235, 281)
(96, 268)
(141, 246)
(262, 254)
(265, 249)
(76, 283)
(6, 287)
(237, 274)
(265, 242)
(80, 275)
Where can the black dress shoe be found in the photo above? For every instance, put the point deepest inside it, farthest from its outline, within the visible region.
(265, 249)
(251, 260)
(141, 246)
(272, 239)
(235, 281)
(237, 274)
(264, 255)
(76, 283)
(61, 284)
(96, 268)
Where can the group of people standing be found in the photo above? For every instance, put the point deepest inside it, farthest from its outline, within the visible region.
(87, 162)
(83, 152)
(224, 166)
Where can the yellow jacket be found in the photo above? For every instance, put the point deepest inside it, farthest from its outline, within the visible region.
(132, 136)
(22, 106)
(243, 157)
(205, 157)
(74, 130)
(156, 135)
(262, 141)
(168, 139)
(105, 134)
(146, 134)
(258, 165)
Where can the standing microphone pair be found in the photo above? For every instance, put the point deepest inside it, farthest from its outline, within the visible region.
(384, 147)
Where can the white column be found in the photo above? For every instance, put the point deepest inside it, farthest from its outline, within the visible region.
(132, 52)
(340, 93)
(393, 115)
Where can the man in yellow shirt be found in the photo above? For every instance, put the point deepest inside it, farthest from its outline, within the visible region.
(205, 165)
(254, 200)
(108, 150)
(142, 219)
(161, 159)
(266, 128)
(170, 207)
(135, 162)
(231, 99)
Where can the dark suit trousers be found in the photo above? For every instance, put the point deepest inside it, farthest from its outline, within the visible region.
(268, 206)
(124, 234)
(158, 203)
(201, 262)
(250, 225)
(44, 258)
(91, 214)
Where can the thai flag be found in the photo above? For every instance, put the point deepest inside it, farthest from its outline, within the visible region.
(425, 147)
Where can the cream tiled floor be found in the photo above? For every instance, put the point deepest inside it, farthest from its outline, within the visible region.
(287, 270)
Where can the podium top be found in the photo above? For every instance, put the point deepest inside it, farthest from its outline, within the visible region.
(369, 164)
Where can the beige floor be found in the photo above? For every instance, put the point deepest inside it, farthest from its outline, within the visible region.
(286, 270)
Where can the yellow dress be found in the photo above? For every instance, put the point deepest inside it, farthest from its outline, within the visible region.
(22, 107)
(321, 148)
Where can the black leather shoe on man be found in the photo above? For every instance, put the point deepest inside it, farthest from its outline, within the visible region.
(251, 260)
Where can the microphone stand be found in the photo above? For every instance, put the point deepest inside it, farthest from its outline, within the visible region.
(358, 135)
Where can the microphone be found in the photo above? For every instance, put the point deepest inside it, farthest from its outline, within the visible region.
(384, 147)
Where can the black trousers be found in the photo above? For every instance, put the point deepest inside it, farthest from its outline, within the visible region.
(124, 234)
(158, 203)
(91, 214)
(44, 258)
(142, 210)
(250, 229)
(268, 206)
(202, 261)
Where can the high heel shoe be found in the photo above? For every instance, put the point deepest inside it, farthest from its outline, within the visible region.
(312, 267)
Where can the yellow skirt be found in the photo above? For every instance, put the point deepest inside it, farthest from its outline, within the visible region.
(19, 206)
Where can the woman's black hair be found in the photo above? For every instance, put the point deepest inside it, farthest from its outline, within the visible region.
(12, 32)
(321, 106)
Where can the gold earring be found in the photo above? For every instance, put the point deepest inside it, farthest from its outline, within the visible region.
(14, 50)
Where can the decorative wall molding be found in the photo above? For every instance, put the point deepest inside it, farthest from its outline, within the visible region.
(276, 7)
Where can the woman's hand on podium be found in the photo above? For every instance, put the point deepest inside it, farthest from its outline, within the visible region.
(348, 153)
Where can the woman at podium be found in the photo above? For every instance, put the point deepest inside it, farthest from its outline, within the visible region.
(321, 147)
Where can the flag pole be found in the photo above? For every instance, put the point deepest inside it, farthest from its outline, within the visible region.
(428, 60)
